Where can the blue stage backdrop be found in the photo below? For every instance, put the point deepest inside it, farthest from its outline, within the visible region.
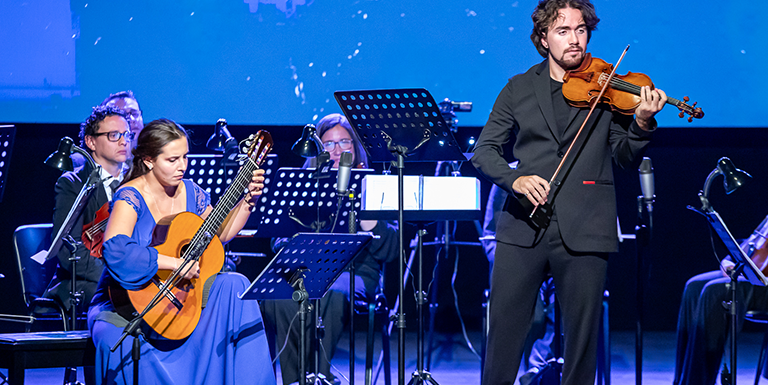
(279, 61)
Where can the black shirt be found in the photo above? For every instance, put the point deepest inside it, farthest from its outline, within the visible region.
(562, 108)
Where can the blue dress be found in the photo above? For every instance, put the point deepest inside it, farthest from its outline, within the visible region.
(228, 346)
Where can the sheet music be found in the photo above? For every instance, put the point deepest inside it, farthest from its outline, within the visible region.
(751, 271)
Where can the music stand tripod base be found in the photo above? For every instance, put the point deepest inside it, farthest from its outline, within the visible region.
(304, 270)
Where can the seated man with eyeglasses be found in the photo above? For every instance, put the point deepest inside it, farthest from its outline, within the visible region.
(124, 101)
(107, 136)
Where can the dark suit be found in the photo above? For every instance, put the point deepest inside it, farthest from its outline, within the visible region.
(573, 249)
(89, 269)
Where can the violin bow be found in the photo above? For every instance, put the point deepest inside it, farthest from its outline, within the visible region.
(591, 109)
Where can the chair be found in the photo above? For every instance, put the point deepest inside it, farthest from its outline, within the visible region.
(758, 316)
(375, 308)
(21, 351)
(28, 240)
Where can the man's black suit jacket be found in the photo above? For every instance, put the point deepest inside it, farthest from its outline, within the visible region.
(583, 194)
(89, 269)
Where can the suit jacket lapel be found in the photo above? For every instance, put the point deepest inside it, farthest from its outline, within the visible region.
(571, 120)
(541, 86)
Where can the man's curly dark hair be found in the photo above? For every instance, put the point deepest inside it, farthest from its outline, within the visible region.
(91, 124)
(546, 13)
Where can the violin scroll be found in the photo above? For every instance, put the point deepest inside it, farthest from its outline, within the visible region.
(693, 111)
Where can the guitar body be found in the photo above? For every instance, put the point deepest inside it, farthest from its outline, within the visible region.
(93, 232)
(170, 237)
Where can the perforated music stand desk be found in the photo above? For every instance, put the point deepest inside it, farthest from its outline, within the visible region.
(750, 271)
(296, 196)
(406, 115)
(324, 256)
(214, 174)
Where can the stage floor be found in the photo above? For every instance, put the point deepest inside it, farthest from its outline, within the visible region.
(454, 364)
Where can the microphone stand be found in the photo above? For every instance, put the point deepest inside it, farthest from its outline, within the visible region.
(643, 232)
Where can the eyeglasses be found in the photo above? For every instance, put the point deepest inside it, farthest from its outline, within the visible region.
(344, 144)
(132, 113)
(114, 136)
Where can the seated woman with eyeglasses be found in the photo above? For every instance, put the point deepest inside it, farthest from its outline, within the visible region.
(337, 137)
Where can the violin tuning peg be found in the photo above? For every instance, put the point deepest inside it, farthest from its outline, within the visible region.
(681, 114)
(695, 103)
(686, 99)
(690, 119)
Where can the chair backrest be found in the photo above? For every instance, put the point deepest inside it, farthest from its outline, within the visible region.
(28, 240)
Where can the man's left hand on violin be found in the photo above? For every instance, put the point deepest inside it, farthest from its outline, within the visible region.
(651, 102)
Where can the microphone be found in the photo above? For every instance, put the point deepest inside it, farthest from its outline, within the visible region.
(345, 170)
(646, 182)
(461, 106)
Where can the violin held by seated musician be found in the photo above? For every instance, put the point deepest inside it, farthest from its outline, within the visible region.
(582, 85)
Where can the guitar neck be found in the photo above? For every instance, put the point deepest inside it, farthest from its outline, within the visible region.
(228, 200)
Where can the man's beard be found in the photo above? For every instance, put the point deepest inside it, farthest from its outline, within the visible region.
(569, 64)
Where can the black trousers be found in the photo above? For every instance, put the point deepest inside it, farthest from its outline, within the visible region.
(518, 272)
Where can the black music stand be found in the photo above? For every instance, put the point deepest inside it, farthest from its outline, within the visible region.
(303, 200)
(304, 270)
(743, 266)
(214, 173)
(394, 124)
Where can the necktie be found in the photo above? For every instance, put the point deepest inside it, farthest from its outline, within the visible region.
(113, 186)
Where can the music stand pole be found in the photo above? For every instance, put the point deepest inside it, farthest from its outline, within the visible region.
(400, 165)
(643, 238)
(731, 305)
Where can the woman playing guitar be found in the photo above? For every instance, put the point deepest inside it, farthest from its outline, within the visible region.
(227, 344)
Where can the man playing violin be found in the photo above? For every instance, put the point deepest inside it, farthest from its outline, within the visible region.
(107, 136)
(573, 247)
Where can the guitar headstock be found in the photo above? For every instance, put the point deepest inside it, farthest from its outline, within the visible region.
(693, 111)
(259, 146)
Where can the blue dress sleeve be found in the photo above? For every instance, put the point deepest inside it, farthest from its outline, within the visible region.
(130, 264)
(130, 260)
(202, 199)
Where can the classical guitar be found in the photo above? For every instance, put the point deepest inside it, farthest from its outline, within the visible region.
(189, 238)
(93, 232)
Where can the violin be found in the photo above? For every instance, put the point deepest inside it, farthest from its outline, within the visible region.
(582, 85)
(93, 232)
